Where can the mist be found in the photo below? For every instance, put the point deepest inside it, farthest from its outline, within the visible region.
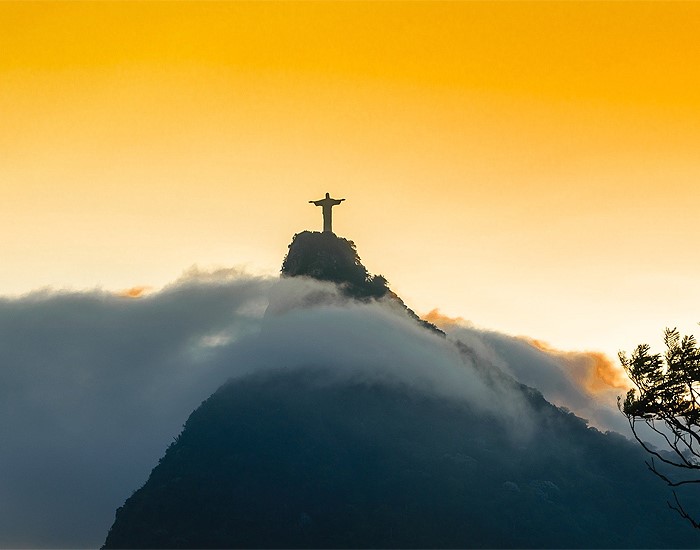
(94, 386)
(92, 389)
(584, 382)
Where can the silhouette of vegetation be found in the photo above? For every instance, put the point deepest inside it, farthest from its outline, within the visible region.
(327, 257)
(666, 401)
(291, 459)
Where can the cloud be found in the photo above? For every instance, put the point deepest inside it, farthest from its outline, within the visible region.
(93, 386)
(591, 369)
(445, 322)
(594, 371)
(585, 382)
(134, 292)
(314, 326)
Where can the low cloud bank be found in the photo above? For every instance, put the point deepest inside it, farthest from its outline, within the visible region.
(585, 382)
(309, 324)
(93, 386)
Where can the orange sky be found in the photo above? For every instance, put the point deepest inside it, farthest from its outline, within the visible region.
(532, 167)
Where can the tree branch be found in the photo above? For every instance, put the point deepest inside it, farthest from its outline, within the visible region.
(679, 508)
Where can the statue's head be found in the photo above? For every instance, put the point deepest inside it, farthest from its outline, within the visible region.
(328, 196)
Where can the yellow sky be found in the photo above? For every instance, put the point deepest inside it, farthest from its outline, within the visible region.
(532, 167)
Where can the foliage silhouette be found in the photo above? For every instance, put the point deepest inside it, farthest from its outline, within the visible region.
(667, 400)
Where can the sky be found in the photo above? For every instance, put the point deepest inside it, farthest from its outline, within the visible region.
(529, 167)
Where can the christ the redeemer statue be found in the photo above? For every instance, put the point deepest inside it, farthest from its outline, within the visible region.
(327, 204)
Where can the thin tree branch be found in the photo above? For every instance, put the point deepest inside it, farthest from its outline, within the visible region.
(679, 508)
(669, 482)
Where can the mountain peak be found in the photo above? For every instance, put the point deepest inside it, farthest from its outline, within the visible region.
(327, 257)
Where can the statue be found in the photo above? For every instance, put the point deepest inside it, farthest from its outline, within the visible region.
(327, 204)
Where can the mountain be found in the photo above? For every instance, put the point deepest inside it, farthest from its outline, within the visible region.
(327, 257)
(305, 457)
